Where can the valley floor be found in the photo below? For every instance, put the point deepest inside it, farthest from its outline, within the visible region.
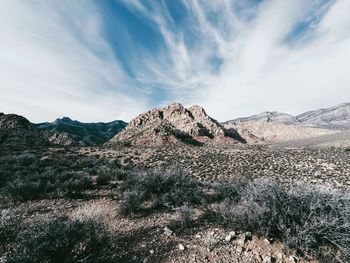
(156, 236)
(314, 165)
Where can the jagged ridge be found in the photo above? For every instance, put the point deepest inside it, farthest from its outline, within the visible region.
(175, 124)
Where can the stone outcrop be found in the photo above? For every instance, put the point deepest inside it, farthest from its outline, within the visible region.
(17, 130)
(175, 124)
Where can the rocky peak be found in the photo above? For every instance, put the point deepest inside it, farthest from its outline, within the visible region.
(173, 124)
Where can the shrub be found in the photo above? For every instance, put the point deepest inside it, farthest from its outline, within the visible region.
(132, 202)
(185, 220)
(76, 183)
(62, 240)
(163, 189)
(9, 227)
(102, 179)
(25, 189)
(307, 218)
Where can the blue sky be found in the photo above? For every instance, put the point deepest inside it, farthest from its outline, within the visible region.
(105, 60)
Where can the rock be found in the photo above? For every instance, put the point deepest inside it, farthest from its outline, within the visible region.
(181, 247)
(279, 256)
(268, 241)
(293, 259)
(243, 238)
(175, 124)
(212, 242)
(266, 259)
(248, 236)
(168, 232)
(228, 238)
(239, 249)
(232, 233)
(151, 251)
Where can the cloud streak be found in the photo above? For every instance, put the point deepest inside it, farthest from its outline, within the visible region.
(282, 55)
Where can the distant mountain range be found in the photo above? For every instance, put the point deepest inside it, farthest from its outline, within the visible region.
(90, 134)
(337, 118)
(176, 124)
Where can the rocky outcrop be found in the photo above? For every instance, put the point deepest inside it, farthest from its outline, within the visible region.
(16, 130)
(175, 124)
(70, 132)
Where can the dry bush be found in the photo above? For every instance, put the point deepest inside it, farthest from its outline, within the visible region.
(307, 218)
(163, 189)
(63, 240)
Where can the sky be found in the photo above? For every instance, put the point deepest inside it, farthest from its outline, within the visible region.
(113, 59)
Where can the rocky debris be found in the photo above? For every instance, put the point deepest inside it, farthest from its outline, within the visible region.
(175, 124)
(60, 138)
(70, 132)
(17, 130)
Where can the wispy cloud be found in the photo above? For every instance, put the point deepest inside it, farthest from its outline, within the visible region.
(233, 57)
(278, 55)
(54, 61)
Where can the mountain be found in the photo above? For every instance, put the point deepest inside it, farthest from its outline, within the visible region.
(281, 127)
(268, 116)
(17, 130)
(69, 132)
(175, 124)
(337, 117)
(255, 132)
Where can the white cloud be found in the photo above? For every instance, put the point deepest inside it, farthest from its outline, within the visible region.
(55, 62)
(58, 51)
(261, 70)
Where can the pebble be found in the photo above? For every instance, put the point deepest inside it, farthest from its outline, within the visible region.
(181, 247)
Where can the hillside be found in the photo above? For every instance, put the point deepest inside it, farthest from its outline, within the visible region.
(67, 131)
(17, 130)
(337, 117)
